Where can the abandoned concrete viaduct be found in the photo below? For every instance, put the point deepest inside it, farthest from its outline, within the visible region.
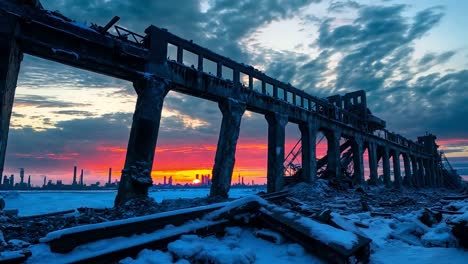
(25, 27)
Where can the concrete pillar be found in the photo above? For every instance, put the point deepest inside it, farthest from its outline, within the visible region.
(414, 167)
(276, 139)
(10, 60)
(421, 172)
(441, 176)
(408, 177)
(434, 173)
(309, 159)
(334, 153)
(226, 150)
(136, 175)
(396, 168)
(428, 172)
(386, 166)
(358, 162)
(373, 162)
(437, 173)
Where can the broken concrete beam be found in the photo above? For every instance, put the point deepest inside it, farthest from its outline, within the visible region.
(269, 236)
(46, 215)
(329, 243)
(460, 231)
(430, 218)
(448, 212)
(11, 212)
(365, 206)
(461, 197)
(380, 214)
(65, 240)
(274, 196)
(14, 257)
(154, 241)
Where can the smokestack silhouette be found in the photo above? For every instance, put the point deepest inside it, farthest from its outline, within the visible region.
(74, 175)
(110, 175)
(22, 176)
(81, 178)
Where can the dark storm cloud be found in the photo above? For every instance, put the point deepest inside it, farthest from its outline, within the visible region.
(44, 148)
(182, 16)
(44, 102)
(37, 73)
(231, 20)
(432, 59)
(341, 6)
(377, 55)
(378, 50)
(74, 112)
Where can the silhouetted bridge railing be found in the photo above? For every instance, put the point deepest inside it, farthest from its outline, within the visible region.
(146, 62)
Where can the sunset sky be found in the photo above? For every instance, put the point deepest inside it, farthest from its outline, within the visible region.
(410, 56)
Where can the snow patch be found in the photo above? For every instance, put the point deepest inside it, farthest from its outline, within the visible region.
(72, 53)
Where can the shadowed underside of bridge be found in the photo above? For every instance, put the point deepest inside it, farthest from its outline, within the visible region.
(143, 60)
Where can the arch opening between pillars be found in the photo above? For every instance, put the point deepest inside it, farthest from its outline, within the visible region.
(56, 119)
(250, 168)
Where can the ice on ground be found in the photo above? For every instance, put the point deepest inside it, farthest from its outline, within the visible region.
(42, 202)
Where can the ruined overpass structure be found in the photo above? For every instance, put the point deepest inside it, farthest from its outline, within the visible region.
(157, 62)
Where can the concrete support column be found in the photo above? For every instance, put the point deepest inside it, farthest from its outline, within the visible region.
(276, 139)
(408, 177)
(358, 161)
(373, 162)
(226, 150)
(433, 173)
(136, 175)
(421, 172)
(309, 159)
(414, 167)
(386, 166)
(334, 153)
(10, 60)
(428, 170)
(396, 168)
(437, 173)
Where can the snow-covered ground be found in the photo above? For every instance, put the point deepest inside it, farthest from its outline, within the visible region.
(402, 238)
(42, 202)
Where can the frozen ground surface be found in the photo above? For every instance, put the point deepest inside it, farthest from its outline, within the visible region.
(402, 238)
(42, 202)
